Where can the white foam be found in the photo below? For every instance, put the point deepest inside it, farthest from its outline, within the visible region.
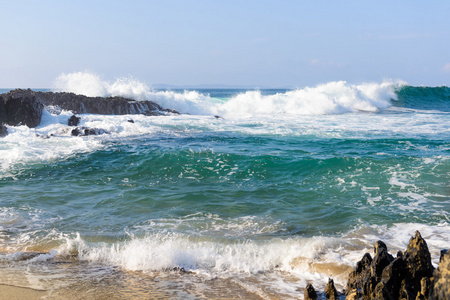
(330, 98)
(308, 259)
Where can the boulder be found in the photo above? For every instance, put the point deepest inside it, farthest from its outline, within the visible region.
(73, 121)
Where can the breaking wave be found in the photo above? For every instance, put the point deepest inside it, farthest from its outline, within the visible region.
(330, 98)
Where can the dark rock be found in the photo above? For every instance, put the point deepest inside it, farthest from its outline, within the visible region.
(406, 277)
(360, 279)
(3, 130)
(80, 104)
(418, 265)
(391, 278)
(85, 131)
(17, 109)
(310, 292)
(443, 253)
(130, 121)
(330, 290)
(381, 260)
(73, 121)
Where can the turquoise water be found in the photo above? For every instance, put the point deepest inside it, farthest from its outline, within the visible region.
(243, 195)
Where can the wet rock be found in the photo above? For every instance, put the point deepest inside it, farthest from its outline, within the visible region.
(130, 121)
(18, 109)
(3, 130)
(391, 278)
(310, 292)
(360, 279)
(73, 121)
(441, 284)
(85, 131)
(330, 290)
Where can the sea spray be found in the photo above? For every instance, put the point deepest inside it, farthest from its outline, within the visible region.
(330, 98)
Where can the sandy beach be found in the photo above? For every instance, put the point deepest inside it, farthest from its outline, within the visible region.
(10, 292)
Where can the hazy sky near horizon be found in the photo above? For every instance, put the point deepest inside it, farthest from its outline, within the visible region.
(246, 43)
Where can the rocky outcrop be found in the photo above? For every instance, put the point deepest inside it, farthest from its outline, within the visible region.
(408, 276)
(18, 109)
(24, 107)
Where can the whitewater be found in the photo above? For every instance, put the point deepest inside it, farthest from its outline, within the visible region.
(245, 194)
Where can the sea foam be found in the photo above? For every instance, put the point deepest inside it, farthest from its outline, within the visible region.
(330, 98)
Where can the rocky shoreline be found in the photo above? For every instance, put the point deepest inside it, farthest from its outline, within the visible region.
(24, 107)
(408, 276)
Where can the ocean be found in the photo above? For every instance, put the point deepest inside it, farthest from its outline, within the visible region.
(247, 194)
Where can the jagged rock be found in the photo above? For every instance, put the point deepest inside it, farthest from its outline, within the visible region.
(85, 131)
(418, 265)
(389, 286)
(330, 290)
(381, 260)
(73, 121)
(441, 284)
(3, 130)
(406, 277)
(17, 109)
(360, 279)
(310, 292)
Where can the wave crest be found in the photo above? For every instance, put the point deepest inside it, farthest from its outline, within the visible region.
(331, 98)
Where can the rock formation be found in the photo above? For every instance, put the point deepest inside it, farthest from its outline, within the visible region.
(408, 276)
(18, 109)
(330, 291)
(24, 107)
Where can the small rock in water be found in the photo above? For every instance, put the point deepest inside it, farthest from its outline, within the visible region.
(73, 121)
(84, 131)
(130, 121)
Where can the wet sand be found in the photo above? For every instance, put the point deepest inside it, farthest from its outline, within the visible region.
(11, 292)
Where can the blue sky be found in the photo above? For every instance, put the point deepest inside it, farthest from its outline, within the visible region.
(246, 43)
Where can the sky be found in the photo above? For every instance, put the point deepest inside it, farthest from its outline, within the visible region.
(260, 43)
